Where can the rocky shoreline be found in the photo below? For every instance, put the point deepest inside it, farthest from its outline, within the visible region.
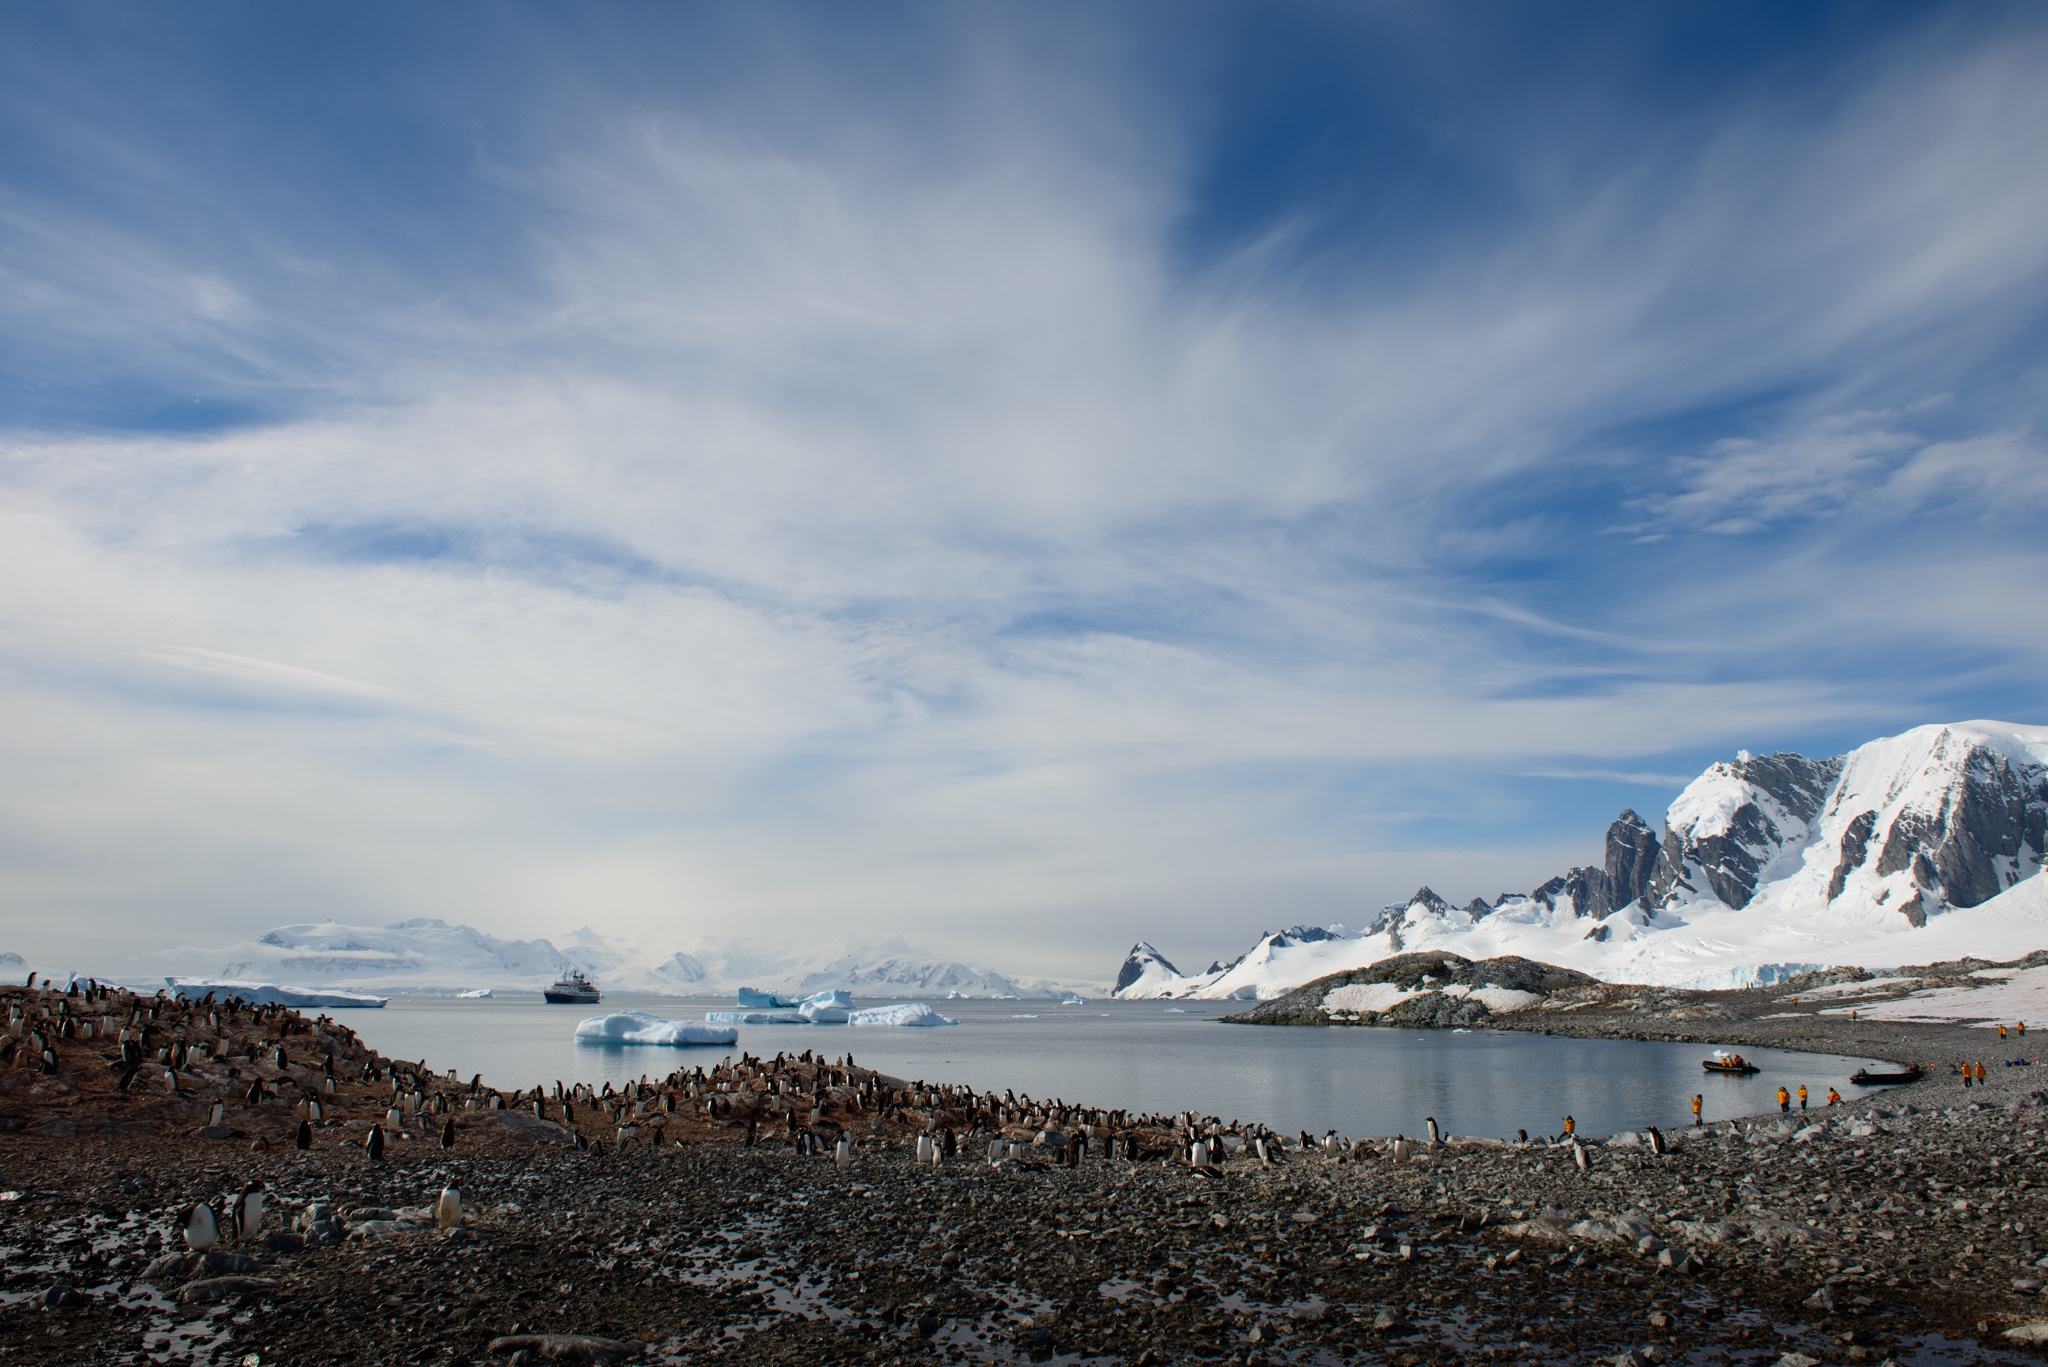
(1901, 1228)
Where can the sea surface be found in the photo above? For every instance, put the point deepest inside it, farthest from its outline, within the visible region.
(1153, 1056)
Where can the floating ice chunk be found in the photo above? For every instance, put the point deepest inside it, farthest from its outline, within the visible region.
(827, 1008)
(637, 1027)
(475, 993)
(906, 1013)
(750, 998)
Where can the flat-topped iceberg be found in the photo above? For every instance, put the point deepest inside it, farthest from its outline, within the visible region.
(907, 1013)
(750, 999)
(776, 1016)
(268, 994)
(637, 1027)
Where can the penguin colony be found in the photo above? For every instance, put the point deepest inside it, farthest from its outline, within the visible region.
(271, 1075)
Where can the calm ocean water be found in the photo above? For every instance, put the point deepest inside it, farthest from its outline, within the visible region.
(1142, 1056)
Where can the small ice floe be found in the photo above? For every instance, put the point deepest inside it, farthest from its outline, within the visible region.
(1023, 1016)
(905, 1013)
(637, 1027)
(475, 993)
(765, 1016)
(1177, 1010)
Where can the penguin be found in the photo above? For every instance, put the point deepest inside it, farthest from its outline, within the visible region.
(248, 1210)
(255, 1093)
(394, 1119)
(1436, 1137)
(1657, 1141)
(374, 1143)
(448, 1134)
(1521, 1136)
(202, 1227)
(215, 1116)
(302, 1138)
(1399, 1152)
(582, 1144)
(448, 1208)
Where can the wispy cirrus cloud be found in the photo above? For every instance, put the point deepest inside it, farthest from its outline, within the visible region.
(866, 508)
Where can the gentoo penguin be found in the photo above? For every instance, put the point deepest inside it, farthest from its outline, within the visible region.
(448, 1134)
(1435, 1135)
(582, 1144)
(248, 1211)
(303, 1138)
(448, 1208)
(1656, 1141)
(216, 1115)
(202, 1227)
(1400, 1149)
(374, 1144)
(394, 1119)
(255, 1093)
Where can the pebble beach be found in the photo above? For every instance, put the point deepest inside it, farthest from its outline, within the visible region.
(719, 1219)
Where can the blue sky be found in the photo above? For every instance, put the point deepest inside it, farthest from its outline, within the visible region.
(1023, 478)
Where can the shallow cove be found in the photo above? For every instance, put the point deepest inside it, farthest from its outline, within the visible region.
(1143, 1057)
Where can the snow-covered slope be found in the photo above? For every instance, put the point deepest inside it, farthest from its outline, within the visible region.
(430, 955)
(1912, 849)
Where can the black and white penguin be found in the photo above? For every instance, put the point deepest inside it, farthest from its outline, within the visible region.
(247, 1215)
(1436, 1136)
(215, 1116)
(302, 1139)
(448, 1134)
(582, 1144)
(202, 1227)
(374, 1143)
(255, 1092)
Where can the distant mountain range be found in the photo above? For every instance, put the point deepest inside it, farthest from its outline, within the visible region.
(1915, 848)
(431, 955)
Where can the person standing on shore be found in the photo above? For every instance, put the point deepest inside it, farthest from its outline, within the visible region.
(1980, 1070)
(1697, 1102)
(1966, 1077)
(1802, 1097)
(1784, 1099)
(1570, 1127)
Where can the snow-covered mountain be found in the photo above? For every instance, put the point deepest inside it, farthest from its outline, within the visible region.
(1912, 849)
(430, 955)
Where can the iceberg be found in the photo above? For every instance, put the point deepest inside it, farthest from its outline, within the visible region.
(906, 1013)
(268, 994)
(827, 1008)
(637, 1027)
(775, 1017)
(751, 999)
(475, 993)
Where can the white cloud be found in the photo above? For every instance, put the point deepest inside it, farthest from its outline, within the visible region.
(834, 534)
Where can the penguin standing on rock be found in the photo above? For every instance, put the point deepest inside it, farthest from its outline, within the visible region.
(201, 1226)
(1436, 1137)
(248, 1210)
(448, 1208)
(374, 1143)
(448, 1133)
(302, 1138)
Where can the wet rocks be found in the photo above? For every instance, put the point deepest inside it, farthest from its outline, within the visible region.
(574, 1348)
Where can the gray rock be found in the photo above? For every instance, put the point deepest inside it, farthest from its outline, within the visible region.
(213, 1289)
(564, 1347)
(62, 1297)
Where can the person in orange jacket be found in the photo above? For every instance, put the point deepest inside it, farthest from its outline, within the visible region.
(1697, 1102)
(1980, 1070)
(1834, 1097)
(1802, 1096)
(1784, 1099)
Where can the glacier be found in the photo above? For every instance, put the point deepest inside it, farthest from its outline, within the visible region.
(637, 1027)
(1916, 848)
(268, 994)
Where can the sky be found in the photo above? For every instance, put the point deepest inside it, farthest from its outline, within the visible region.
(1025, 478)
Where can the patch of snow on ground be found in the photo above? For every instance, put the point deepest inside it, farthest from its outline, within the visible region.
(1868, 987)
(2021, 997)
(1505, 999)
(637, 1027)
(1364, 997)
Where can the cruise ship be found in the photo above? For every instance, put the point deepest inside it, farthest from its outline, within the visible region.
(573, 987)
